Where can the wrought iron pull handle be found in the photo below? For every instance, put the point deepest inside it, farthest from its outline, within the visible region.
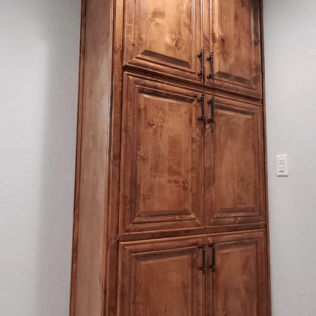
(210, 58)
(213, 264)
(203, 268)
(200, 55)
(211, 103)
(201, 101)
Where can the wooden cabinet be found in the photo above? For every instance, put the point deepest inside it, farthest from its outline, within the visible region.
(234, 189)
(162, 147)
(164, 36)
(161, 278)
(232, 39)
(166, 277)
(236, 286)
(168, 36)
(170, 201)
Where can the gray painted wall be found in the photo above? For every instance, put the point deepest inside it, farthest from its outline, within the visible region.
(290, 54)
(39, 51)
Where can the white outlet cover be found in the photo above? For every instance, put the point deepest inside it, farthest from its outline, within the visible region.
(282, 166)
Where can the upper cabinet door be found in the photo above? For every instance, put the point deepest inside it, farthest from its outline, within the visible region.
(232, 35)
(234, 170)
(164, 36)
(162, 150)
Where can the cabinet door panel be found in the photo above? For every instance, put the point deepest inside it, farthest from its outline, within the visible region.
(234, 164)
(164, 36)
(232, 34)
(160, 278)
(161, 175)
(238, 287)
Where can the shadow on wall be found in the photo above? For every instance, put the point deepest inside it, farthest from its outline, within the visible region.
(58, 26)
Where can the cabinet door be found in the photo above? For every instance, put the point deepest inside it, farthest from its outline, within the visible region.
(234, 190)
(160, 278)
(238, 286)
(161, 169)
(164, 36)
(232, 34)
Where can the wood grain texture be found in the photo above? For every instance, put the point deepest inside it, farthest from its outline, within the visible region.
(78, 162)
(161, 278)
(110, 266)
(163, 35)
(232, 34)
(162, 155)
(238, 287)
(148, 169)
(267, 250)
(92, 170)
(234, 172)
(219, 229)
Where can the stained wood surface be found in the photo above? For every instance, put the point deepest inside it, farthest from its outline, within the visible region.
(232, 34)
(88, 274)
(161, 278)
(162, 155)
(234, 191)
(238, 287)
(166, 36)
(266, 197)
(169, 174)
(163, 35)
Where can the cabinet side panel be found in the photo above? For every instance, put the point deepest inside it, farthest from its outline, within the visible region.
(89, 244)
(269, 311)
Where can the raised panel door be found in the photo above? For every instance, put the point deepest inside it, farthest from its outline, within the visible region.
(162, 155)
(234, 165)
(232, 35)
(238, 286)
(160, 278)
(164, 36)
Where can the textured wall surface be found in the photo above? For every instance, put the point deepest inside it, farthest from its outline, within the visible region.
(290, 53)
(39, 51)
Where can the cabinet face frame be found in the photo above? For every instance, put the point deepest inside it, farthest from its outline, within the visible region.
(145, 138)
(215, 42)
(173, 53)
(238, 115)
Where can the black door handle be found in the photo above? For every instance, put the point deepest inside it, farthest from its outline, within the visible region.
(203, 267)
(201, 101)
(200, 55)
(210, 58)
(213, 264)
(211, 103)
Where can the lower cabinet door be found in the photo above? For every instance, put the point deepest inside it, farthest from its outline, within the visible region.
(237, 285)
(161, 278)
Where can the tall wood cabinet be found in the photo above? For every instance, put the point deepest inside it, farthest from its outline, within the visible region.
(170, 200)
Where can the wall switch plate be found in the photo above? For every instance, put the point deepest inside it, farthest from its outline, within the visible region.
(282, 166)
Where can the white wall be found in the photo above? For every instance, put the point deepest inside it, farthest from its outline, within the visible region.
(290, 54)
(38, 104)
